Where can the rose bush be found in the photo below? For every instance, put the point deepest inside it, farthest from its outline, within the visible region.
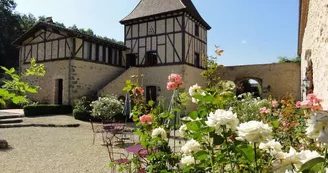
(228, 133)
(106, 107)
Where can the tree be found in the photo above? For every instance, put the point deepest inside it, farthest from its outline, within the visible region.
(14, 88)
(10, 30)
(285, 59)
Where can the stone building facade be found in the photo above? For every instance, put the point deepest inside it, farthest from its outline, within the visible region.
(76, 64)
(313, 47)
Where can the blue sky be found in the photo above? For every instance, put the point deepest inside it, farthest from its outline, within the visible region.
(250, 31)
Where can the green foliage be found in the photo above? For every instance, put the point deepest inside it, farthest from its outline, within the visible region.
(106, 107)
(81, 115)
(46, 109)
(284, 59)
(15, 88)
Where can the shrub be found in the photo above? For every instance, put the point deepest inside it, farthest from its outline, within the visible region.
(81, 115)
(44, 109)
(106, 107)
(3, 144)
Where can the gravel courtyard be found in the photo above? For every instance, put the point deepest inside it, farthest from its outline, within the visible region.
(47, 150)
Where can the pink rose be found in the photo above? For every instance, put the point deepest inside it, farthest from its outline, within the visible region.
(298, 104)
(146, 119)
(274, 103)
(171, 86)
(264, 110)
(138, 90)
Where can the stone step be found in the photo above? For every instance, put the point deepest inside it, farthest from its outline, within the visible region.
(10, 116)
(11, 121)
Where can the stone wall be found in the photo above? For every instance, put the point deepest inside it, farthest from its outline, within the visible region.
(54, 70)
(315, 47)
(89, 77)
(282, 77)
(155, 76)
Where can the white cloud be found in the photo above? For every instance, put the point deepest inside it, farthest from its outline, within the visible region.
(243, 41)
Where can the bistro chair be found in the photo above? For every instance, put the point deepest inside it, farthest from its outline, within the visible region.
(96, 131)
(117, 158)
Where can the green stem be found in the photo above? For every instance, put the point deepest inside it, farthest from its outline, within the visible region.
(326, 160)
(232, 168)
(255, 158)
(212, 164)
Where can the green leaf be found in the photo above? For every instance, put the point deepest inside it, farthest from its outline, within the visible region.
(307, 166)
(193, 126)
(247, 151)
(193, 115)
(19, 100)
(275, 124)
(201, 155)
(2, 102)
(217, 140)
(128, 82)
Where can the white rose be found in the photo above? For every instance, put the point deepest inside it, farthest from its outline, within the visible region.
(272, 147)
(307, 155)
(287, 161)
(191, 147)
(183, 129)
(221, 120)
(254, 131)
(187, 161)
(314, 127)
(195, 89)
(159, 132)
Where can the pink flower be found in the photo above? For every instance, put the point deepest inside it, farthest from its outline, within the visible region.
(146, 119)
(138, 90)
(171, 86)
(175, 81)
(274, 103)
(265, 110)
(298, 104)
(282, 101)
(285, 124)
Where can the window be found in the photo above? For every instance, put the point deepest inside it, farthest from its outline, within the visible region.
(131, 60)
(97, 52)
(196, 29)
(110, 55)
(151, 59)
(104, 54)
(197, 60)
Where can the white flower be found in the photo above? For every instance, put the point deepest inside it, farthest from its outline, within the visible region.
(191, 147)
(221, 120)
(272, 147)
(195, 89)
(187, 161)
(183, 128)
(159, 132)
(307, 155)
(254, 131)
(318, 127)
(287, 161)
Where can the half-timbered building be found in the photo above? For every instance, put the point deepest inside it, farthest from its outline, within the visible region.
(76, 64)
(164, 33)
(160, 37)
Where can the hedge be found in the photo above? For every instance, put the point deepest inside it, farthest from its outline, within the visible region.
(81, 115)
(46, 109)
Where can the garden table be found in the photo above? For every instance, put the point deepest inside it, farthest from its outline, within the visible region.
(114, 129)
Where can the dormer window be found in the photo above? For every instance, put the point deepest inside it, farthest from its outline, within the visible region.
(196, 29)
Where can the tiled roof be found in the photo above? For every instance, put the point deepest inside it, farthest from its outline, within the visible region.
(147, 8)
(70, 32)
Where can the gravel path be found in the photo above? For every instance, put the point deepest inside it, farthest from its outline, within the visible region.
(58, 150)
(55, 150)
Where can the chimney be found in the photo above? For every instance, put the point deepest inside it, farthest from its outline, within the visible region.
(49, 20)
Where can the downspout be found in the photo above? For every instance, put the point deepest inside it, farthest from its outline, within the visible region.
(70, 70)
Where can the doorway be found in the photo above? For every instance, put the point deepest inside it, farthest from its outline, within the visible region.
(59, 91)
(151, 93)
